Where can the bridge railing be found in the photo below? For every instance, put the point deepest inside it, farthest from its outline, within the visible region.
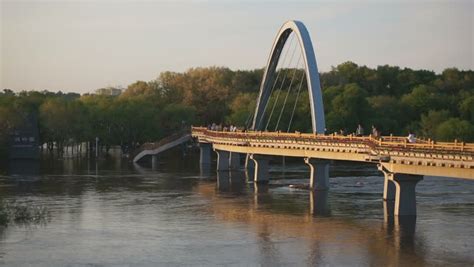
(388, 142)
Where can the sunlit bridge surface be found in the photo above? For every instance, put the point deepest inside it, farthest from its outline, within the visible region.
(114, 214)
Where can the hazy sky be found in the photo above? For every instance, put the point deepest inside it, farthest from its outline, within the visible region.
(84, 45)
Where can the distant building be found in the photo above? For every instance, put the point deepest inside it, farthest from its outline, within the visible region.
(24, 140)
(109, 91)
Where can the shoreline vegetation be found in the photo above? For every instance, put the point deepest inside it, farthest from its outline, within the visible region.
(395, 100)
(22, 214)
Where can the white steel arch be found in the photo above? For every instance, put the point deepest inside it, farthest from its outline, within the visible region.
(312, 75)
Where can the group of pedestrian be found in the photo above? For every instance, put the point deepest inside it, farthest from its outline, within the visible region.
(411, 138)
(214, 127)
(221, 127)
(359, 131)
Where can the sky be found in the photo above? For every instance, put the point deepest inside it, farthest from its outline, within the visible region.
(80, 46)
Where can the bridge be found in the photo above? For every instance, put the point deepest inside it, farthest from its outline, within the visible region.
(403, 163)
(153, 149)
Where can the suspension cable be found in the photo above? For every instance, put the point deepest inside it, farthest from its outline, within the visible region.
(276, 80)
(279, 90)
(249, 120)
(288, 93)
(296, 100)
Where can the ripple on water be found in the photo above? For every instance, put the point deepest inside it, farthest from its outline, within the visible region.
(126, 216)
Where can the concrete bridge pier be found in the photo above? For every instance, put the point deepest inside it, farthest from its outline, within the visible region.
(318, 202)
(223, 160)
(249, 164)
(260, 174)
(401, 227)
(237, 181)
(405, 194)
(234, 160)
(388, 187)
(319, 176)
(205, 154)
(223, 181)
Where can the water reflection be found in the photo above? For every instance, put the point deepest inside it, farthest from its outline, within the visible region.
(24, 168)
(230, 181)
(319, 203)
(223, 181)
(205, 170)
(268, 250)
(179, 214)
(381, 246)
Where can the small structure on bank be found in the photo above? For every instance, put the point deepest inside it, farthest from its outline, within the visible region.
(24, 140)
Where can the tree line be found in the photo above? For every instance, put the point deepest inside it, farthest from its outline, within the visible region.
(393, 99)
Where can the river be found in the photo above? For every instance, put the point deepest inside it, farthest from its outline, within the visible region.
(112, 213)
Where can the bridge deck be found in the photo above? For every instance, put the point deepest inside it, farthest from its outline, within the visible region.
(161, 146)
(395, 154)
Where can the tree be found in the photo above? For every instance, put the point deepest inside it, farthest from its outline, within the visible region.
(246, 81)
(176, 116)
(242, 109)
(455, 128)
(350, 108)
(421, 99)
(466, 109)
(430, 122)
(9, 119)
(388, 114)
(208, 91)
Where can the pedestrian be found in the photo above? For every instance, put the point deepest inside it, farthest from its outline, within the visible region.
(411, 137)
(359, 130)
(375, 133)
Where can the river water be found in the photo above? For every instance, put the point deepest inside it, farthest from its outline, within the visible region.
(112, 213)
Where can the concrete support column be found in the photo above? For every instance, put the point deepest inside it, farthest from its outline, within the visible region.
(234, 160)
(405, 195)
(261, 168)
(205, 154)
(318, 201)
(261, 195)
(223, 181)
(222, 160)
(319, 175)
(249, 164)
(388, 187)
(388, 207)
(237, 181)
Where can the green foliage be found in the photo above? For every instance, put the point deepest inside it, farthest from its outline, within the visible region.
(22, 214)
(177, 116)
(430, 122)
(421, 99)
(348, 109)
(387, 113)
(242, 108)
(395, 100)
(466, 108)
(455, 128)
